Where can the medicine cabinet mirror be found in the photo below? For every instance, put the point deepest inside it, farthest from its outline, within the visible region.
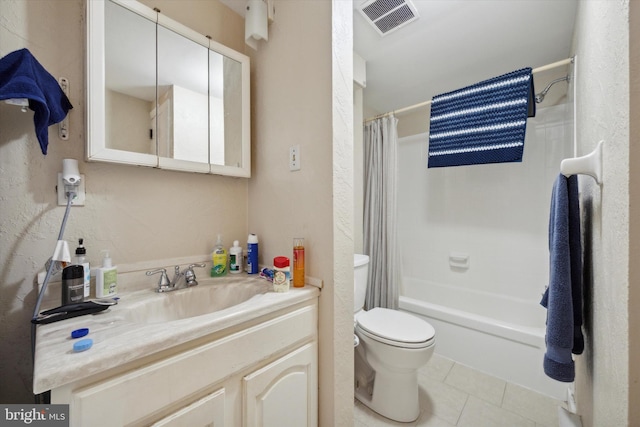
(161, 95)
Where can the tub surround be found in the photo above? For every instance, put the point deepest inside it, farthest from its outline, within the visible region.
(118, 340)
(472, 211)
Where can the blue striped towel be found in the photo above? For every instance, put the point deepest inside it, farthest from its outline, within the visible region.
(482, 123)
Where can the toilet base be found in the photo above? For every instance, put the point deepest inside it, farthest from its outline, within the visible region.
(392, 394)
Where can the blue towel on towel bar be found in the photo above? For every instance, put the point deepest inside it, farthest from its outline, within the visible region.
(482, 123)
(563, 297)
(22, 76)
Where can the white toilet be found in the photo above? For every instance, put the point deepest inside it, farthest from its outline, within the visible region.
(392, 346)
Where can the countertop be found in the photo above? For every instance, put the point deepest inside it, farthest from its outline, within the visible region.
(118, 340)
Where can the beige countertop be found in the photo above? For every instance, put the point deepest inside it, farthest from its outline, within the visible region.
(120, 338)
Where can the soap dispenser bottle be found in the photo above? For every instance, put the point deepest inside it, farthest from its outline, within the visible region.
(219, 259)
(106, 278)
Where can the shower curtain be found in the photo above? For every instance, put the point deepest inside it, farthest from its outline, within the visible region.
(380, 217)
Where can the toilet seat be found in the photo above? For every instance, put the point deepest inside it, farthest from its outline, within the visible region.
(395, 328)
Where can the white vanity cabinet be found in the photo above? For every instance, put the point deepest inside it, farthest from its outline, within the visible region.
(262, 373)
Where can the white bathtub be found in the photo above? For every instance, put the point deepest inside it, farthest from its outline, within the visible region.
(498, 335)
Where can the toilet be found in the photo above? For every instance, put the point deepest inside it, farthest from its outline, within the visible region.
(392, 345)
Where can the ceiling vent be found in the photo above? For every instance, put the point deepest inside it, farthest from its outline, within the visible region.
(387, 16)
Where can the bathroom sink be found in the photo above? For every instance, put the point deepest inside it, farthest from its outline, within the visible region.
(209, 296)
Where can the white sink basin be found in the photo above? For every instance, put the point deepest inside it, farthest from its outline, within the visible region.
(209, 296)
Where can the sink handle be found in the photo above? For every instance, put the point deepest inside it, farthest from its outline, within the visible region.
(164, 280)
(190, 275)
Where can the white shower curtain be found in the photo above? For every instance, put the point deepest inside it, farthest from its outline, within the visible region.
(380, 217)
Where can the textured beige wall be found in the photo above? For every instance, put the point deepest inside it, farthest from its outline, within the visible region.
(358, 170)
(601, 44)
(138, 213)
(634, 215)
(293, 104)
(210, 18)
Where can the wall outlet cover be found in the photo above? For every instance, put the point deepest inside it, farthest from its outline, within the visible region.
(62, 197)
(294, 158)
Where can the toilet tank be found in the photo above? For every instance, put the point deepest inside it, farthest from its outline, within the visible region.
(360, 280)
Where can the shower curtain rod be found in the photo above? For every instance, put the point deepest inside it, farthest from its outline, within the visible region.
(425, 103)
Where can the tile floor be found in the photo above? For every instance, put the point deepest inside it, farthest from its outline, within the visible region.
(452, 394)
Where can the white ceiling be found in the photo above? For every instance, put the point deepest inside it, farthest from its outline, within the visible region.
(456, 43)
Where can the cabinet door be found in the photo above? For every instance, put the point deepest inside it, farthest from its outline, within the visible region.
(206, 412)
(285, 392)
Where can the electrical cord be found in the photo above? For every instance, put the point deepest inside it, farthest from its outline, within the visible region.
(36, 310)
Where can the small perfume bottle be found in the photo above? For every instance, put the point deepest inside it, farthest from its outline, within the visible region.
(298, 262)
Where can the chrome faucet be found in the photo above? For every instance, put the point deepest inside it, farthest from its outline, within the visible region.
(188, 277)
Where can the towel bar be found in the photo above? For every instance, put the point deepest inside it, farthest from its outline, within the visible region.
(591, 165)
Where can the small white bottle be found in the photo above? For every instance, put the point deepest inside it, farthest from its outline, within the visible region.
(81, 259)
(235, 258)
(106, 278)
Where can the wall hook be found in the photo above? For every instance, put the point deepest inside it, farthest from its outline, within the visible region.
(591, 165)
(63, 126)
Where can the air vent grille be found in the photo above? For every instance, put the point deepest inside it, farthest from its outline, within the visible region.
(380, 8)
(388, 15)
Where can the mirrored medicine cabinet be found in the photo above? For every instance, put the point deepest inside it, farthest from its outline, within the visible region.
(161, 95)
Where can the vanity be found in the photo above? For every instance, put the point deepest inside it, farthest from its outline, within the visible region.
(158, 360)
(228, 351)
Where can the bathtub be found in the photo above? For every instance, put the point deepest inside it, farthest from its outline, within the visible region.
(498, 335)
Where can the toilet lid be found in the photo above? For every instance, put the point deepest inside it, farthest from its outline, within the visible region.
(396, 326)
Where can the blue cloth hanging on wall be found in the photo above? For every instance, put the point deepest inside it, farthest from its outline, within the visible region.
(563, 297)
(22, 76)
(482, 123)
